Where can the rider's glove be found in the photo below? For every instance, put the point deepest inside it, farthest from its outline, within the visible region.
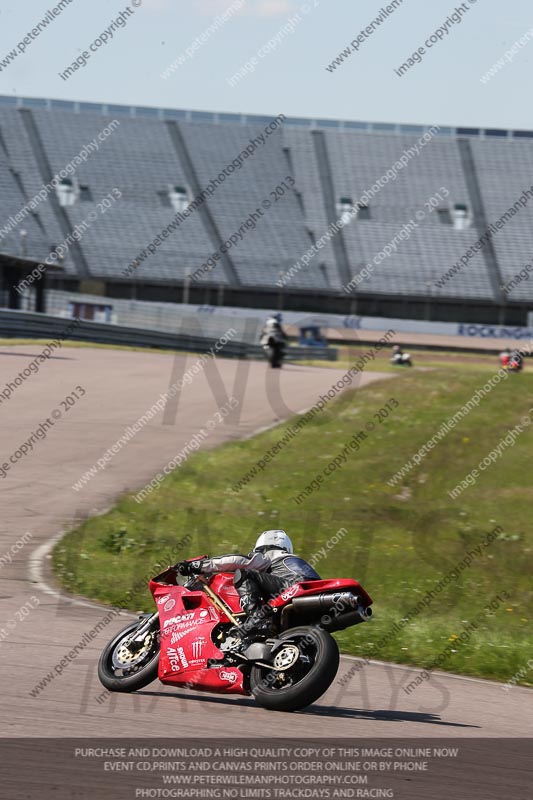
(189, 567)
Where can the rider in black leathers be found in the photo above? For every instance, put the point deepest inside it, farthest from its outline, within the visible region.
(259, 576)
(274, 339)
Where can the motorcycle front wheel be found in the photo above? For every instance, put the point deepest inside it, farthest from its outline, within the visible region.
(120, 669)
(271, 356)
(308, 663)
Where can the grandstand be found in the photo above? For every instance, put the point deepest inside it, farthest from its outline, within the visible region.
(162, 160)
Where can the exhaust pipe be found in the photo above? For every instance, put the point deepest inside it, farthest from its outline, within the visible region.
(346, 620)
(326, 602)
(325, 607)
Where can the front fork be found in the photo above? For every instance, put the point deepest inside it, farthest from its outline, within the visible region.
(150, 625)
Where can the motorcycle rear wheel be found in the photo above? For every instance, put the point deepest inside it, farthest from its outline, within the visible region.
(307, 680)
(120, 671)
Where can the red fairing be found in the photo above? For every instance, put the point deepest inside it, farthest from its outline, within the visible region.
(187, 619)
(309, 588)
(222, 585)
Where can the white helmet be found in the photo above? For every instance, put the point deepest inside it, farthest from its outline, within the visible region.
(274, 540)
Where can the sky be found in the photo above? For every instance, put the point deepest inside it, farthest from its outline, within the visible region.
(287, 45)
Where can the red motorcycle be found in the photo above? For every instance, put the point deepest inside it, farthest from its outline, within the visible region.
(186, 643)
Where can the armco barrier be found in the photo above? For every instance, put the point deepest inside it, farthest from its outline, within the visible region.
(29, 325)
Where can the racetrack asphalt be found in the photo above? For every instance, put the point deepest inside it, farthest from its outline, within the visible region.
(38, 503)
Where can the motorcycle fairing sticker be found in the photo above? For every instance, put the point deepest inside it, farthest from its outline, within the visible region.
(177, 659)
(185, 627)
(228, 675)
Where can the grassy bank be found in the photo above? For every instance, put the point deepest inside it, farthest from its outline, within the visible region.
(401, 540)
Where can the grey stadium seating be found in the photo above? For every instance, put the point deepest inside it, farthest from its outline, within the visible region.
(144, 157)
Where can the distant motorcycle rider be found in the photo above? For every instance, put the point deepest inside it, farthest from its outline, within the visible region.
(511, 361)
(504, 357)
(273, 327)
(261, 575)
(273, 339)
(399, 358)
(516, 361)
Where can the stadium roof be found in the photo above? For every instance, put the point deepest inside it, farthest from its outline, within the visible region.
(147, 112)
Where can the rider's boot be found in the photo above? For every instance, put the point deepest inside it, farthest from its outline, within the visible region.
(256, 623)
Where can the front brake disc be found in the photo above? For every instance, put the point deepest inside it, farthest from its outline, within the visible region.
(123, 657)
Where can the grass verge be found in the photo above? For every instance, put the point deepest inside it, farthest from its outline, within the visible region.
(401, 540)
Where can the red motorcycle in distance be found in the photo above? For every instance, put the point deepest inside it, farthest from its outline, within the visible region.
(512, 362)
(186, 644)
